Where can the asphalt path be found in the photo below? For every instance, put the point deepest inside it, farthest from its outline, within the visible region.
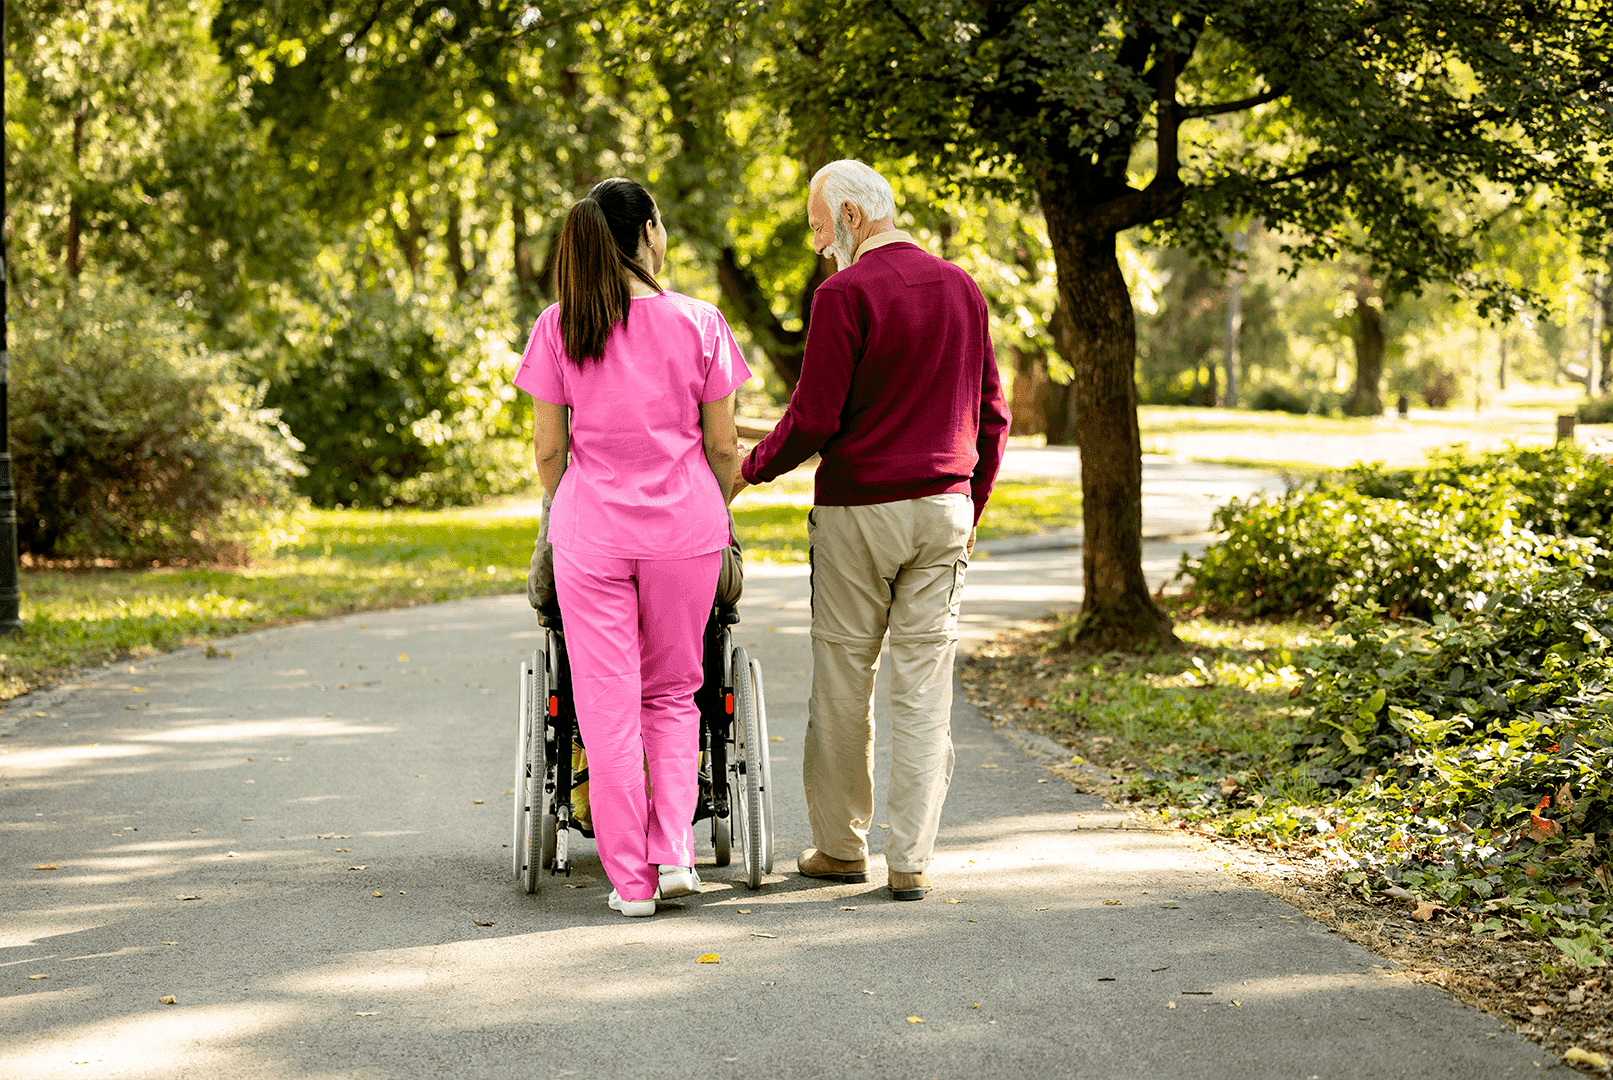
(301, 842)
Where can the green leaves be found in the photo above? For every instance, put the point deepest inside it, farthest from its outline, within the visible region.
(1417, 543)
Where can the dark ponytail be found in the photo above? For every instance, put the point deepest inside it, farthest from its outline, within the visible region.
(598, 245)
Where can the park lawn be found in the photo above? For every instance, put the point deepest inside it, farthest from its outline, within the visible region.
(342, 561)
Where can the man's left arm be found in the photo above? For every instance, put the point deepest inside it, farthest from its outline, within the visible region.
(992, 439)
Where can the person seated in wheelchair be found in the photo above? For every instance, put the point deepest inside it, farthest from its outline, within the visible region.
(540, 593)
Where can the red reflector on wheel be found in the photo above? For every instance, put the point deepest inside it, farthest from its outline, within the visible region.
(554, 705)
(728, 704)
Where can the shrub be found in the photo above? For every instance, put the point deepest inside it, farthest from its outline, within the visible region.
(1279, 399)
(397, 402)
(134, 442)
(1476, 756)
(1596, 411)
(1411, 542)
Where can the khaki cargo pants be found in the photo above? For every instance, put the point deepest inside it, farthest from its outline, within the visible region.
(893, 566)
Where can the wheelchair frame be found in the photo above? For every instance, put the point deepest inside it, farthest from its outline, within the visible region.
(733, 739)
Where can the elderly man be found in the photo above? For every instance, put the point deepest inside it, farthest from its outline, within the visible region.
(899, 394)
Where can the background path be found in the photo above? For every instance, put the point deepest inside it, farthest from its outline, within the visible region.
(219, 829)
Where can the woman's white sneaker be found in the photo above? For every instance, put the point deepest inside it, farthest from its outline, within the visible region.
(633, 909)
(678, 881)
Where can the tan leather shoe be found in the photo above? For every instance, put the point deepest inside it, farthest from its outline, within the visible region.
(815, 864)
(908, 886)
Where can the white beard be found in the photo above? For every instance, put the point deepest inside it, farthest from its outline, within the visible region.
(843, 249)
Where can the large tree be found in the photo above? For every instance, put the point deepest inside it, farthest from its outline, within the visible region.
(1347, 125)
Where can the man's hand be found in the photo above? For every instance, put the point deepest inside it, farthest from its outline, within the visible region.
(969, 548)
(739, 483)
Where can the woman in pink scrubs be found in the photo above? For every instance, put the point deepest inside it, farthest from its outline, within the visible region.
(640, 479)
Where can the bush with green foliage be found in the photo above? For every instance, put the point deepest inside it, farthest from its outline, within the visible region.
(1477, 755)
(399, 402)
(1596, 411)
(133, 441)
(1410, 542)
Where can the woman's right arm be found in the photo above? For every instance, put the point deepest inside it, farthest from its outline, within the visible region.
(550, 441)
(721, 441)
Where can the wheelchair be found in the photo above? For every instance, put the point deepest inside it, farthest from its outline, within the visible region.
(735, 775)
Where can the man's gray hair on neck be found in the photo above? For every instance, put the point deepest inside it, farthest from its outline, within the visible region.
(848, 180)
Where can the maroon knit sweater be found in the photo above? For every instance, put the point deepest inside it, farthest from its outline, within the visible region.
(899, 390)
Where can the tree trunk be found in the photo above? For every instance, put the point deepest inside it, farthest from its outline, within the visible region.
(1369, 347)
(75, 211)
(1233, 326)
(1116, 610)
(528, 289)
(455, 243)
(1030, 380)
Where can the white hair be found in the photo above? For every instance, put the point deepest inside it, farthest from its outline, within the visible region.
(851, 181)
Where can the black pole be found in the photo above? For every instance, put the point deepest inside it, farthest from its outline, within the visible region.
(10, 598)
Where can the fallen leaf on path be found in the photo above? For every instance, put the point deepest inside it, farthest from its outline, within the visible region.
(1114, 903)
(1425, 910)
(870, 993)
(169, 999)
(884, 824)
(952, 901)
(1586, 1057)
(709, 958)
(755, 933)
(770, 984)
(744, 911)
(848, 909)
(1170, 1004)
(915, 1019)
(243, 819)
(193, 832)
(131, 708)
(187, 897)
(775, 738)
(170, 943)
(1238, 1003)
(403, 658)
(366, 1014)
(366, 866)
(988, 766)
(376, 894)
(1048, 908)
(510, 792)
(478, 802)
(976, 1005)
(39, 976)
(47, 866)
(479, 922)
(232, 854)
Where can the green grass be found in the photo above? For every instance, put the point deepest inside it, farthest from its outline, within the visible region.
(1222, 703)
(341, 561)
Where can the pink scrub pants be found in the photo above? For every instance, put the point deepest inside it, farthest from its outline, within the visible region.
(634, 632)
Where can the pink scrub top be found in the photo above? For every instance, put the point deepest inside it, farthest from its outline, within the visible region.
(637, 485)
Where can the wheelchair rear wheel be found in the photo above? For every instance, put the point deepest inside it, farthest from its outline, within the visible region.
(747, 771)
(530, 770)
(762, 745)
